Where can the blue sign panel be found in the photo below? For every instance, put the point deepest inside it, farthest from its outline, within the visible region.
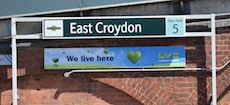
(5, 59)
(114, 57)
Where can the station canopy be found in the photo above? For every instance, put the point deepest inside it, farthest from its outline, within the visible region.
(14, 8)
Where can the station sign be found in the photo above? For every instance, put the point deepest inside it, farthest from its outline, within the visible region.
(114, 57)
(5, 59)
(110, 27)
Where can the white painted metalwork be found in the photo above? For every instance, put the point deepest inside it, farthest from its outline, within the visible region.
(32, 19)
(39, 19)
(223, 14)
(67, 74)
(14, 62)
(200, 16)
(30, 36)
(197, 34)
(213, 30)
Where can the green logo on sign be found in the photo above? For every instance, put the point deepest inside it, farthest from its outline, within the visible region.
(53, 28)
(134, 56)
(55, 60)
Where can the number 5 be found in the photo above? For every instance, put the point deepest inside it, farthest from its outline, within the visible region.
(175, 28)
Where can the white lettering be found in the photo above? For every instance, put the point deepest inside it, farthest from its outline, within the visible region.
(73, 28)
(97, 27)
(124, 28)
(114, 29)
(138, 28)
(90, 28)
(105, 28)
(117, 28)
(80, 29)
(131, 28)
(110, 28)
(85, 29)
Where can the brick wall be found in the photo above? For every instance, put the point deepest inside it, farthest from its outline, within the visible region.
(37, 86)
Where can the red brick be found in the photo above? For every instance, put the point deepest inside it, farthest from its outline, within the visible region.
(147, 93)
(164, 84)
(192, 80)
(165, 96)
(129, 90)
(167, 100)
(124, 80)
(159, 79)
(184, 90)
(155, 88)
(143, 90)
(134, 93)
(150, 103)
(140, 80)
(134, 84)
(172, 103)
(138, 95)
(160, 93)
(182, 85)
(6, 99)
(149, 84)
(182, 101)
(129, 82)
(176, 90)
(139, 87)
(145, 82)
(151, 96)
(168, 79)
(175, 79)
(183, 95)
(160, 102)
(142, 99)
(156, 98)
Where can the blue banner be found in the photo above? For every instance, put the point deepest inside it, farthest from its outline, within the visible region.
(5, 59)
(114, 57)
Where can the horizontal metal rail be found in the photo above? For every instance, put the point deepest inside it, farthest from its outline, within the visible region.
(39, 19)
(67, 74)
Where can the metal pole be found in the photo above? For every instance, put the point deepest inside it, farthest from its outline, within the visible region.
(214, 97)
(80, 6)
(14, 62)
